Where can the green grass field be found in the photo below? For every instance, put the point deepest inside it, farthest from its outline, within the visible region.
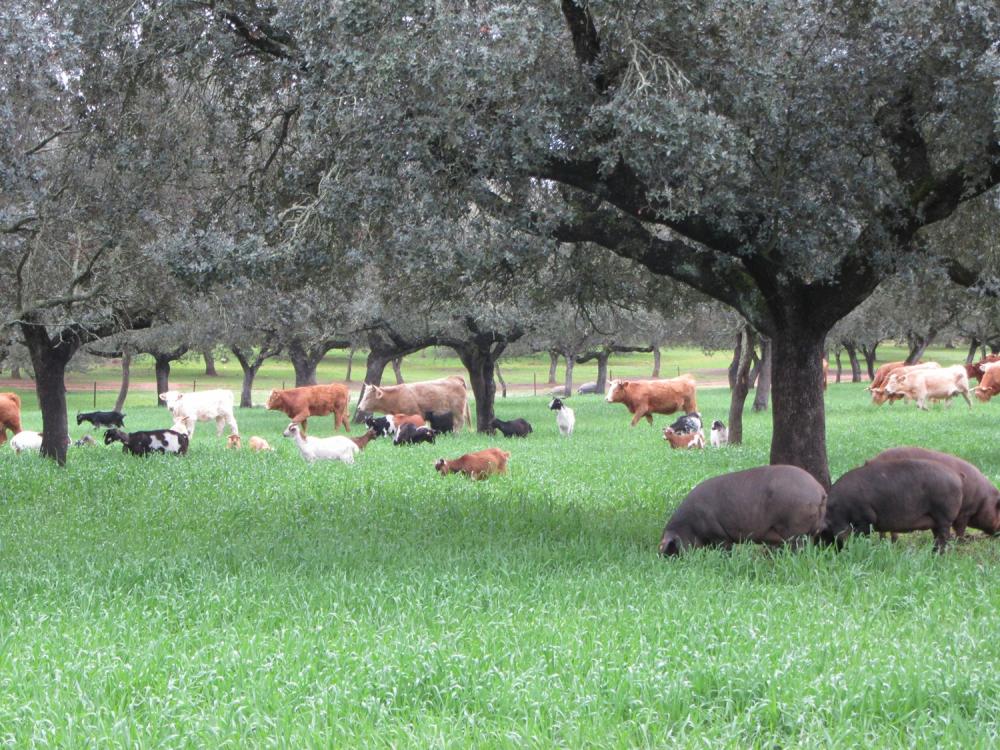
(230, 599)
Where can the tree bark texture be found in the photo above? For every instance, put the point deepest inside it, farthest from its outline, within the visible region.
(869, 355)
(553, 363)
(126, 378)
(210, 370)
(656, 362)
(763, 391)
(568, 382)
(397, 369)
(741, 385)
(852, 355)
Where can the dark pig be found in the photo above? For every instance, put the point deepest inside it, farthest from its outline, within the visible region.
(906, 494)
(980, 499)
(770, 505)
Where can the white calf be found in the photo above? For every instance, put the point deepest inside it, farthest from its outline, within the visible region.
(188, 408)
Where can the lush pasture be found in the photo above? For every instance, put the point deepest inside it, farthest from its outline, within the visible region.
(237, 599)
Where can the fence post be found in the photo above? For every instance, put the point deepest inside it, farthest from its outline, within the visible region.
(534, 384)
(95, 394)
(194, 386)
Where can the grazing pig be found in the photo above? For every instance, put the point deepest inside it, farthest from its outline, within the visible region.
(514, 428)
(770, 505)
(980, 499)
(905, 494)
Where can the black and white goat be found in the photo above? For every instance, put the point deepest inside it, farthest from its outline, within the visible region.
(409, 434)
(565, 418)
(101, 418)
(690, 422)
(381, 425)
(144, 442)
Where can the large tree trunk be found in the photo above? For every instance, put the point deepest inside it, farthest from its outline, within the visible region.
(852, 355)
(741, 385)
(126, 378)
(799, 416)
(602, 370)
(397, 369)
(49, 364)
(304, 364)
(570, 359)
(917, 346)
(869, 355)
(553, 363)
(656, 361)
(209, 356)
(481, 367)
(375, 366)
(350, 362)
(763, 392)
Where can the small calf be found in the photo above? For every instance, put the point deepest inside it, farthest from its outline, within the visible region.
(26, 440)
(720, 434)
(440, 421)
(409, 434)
(478, 465)
(379, 424)
(144, 442)
(514, 428)
(683, 439)
(102, 418)
(565, 419)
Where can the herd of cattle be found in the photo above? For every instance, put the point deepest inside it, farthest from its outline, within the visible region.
(900, 490)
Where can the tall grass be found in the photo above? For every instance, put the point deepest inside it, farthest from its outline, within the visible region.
(233, 599)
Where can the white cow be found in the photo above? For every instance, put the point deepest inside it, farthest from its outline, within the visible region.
(938, 384)
(188, 408)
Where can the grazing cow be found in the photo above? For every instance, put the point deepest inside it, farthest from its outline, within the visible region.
(905, 494)
(882, 374)
(683, 439)
(442, 395)
(514, 428)
(410, 434)
(989, 383)
(769, 505)
(720, 434)
(102, 418)
(565, 418)
(688, 423)
(144, 442)
(380, 425)
(10, 415)
(879, 388)
(26, 440)
(980, 499)
(478, 465)
(977, 370)
(440, 422)
(921, 385)
(644, 398)
(336, 448)
(191, 408)
(298, 404)
(398, 420)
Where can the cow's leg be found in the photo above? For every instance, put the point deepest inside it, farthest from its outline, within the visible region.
(965, 395)
(649, 417)
(220, 424)
(635, 418)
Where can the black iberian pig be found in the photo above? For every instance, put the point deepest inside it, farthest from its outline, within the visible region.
(908, 494)
(980, 499)
(769, 504)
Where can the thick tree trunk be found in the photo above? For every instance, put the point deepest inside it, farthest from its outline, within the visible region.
(397, 369)
(49, 357)
(869, 355)
(161, 365)
(917, 347)
(602, 370)
(553, 363)
(799, 416)
(763, 392)
(656, 361)
(126, 378)
(973, 345)
(741, 386)
(209, 356)
(303, 363)
(568, 383)
(852, 355)
(481, 366)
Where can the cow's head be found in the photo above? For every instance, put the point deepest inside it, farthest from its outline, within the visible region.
(372, 398)
(276, 399)
(985, 392)
(616, 392)
(171, 397)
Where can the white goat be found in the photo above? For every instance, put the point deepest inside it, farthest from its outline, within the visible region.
(336, 448)
(26, 440)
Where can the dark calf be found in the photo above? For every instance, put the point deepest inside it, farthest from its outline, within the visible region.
(980, 499)
(514, 428)
(409, 434)
(440, 421)
(906, 494)
(102, 418)
(770, 505)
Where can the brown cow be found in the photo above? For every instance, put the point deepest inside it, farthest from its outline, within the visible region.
(478, 465)
(882, 374)
(439, 396)
(880, 391)
(312, 401)
(978, 370)
(644, 398)
(10, 415)
(989, 383)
